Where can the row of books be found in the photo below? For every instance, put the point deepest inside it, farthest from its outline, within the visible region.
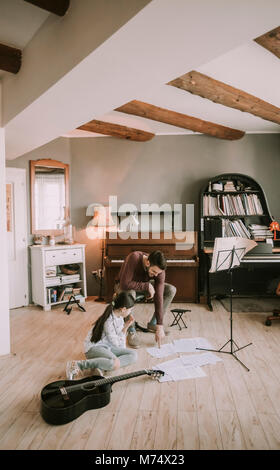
(62, 279)
(235, 228)
(61, 294)
(214, 228)
(241, 204)
(260, 232)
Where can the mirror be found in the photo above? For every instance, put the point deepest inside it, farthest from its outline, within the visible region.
(49, 188)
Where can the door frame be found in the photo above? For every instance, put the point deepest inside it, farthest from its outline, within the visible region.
(21, 172)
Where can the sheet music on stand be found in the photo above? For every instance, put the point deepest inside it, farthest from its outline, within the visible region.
(227, 255)
(224, 258)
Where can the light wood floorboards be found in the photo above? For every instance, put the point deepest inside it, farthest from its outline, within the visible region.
(230, 408)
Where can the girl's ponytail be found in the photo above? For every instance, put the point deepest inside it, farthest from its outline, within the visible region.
(124, 299)
(99, 325)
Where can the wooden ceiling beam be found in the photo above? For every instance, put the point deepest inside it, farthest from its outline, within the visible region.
(219, 92)
(149, 111)
(270, 41)
(58, 7)
(116, 130)
(10, 58)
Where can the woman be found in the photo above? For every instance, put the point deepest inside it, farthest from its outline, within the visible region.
(105, 344)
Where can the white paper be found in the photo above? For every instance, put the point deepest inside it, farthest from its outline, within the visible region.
(183, 345)
(163, 351)
(179, 372)
(191, 344)
(200, 359)
(222, 258)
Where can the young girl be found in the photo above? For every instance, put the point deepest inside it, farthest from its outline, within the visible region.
(105, 344)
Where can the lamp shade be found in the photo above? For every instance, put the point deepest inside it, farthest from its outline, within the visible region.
(102, 217)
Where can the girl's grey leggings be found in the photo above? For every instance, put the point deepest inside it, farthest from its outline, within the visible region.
(103, 357)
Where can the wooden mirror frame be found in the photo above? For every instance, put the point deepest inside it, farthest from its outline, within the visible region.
(54, 164)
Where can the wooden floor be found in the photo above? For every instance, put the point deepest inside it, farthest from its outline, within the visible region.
(230, 408)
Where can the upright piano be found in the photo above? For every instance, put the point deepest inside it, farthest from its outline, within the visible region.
(180, 250)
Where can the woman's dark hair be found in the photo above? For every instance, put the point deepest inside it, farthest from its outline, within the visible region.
(157, 258)
(123, 299)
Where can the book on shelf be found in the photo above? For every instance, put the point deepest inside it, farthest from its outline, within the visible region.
(235, 228)
(51, 295)
(70, 278)
(230, 205)
(66, 292)
(52, 281)
(260, 232)
(50, 271)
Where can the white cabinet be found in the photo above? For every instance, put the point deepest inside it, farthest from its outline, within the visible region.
(51, 286)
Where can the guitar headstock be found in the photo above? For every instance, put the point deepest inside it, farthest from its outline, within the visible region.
(155, 374)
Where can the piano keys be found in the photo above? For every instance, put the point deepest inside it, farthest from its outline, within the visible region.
(255, 259)
(250, 260)
(182, 260)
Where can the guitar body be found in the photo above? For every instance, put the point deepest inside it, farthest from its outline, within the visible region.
(56, 409)
(65, 400)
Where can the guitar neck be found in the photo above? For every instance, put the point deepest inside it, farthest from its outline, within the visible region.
(104, 381)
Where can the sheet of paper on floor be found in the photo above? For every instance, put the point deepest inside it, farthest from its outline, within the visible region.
(180, 346)
(200, 359)
(186, 367)
(164, 351)
(175, 370)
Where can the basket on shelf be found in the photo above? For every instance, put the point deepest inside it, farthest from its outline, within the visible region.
(70, 268)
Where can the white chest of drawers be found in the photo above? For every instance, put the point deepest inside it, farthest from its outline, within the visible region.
(45, 257)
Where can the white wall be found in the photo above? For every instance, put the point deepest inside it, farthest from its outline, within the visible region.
(4, 309)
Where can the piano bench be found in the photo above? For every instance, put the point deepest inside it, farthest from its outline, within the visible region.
(178, 315)
(275, 316)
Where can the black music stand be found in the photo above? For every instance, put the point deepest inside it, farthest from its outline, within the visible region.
(72, 300)
(227, 260)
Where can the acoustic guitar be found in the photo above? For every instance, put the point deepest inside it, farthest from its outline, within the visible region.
(65, 400)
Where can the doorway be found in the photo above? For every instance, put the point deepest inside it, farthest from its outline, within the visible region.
(17, 236)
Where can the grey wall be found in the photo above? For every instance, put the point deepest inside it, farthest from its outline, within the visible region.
(167, 169)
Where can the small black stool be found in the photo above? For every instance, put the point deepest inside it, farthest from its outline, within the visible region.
(178, 315)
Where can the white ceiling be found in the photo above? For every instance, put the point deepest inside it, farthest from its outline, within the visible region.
(163, 41)
(19, 21)
(250, 68)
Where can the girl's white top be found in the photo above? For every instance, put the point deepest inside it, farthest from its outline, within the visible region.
(112, 334)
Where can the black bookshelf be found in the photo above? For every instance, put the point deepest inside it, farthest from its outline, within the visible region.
(211, 226)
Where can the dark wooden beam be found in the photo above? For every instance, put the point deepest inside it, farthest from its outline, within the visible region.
(221, 93)
(149, 111)
(116, 130)
(271, 41)
(58, 7)
(10, 59)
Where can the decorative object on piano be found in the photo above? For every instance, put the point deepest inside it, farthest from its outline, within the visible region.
(274, 227)
(101, 223)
